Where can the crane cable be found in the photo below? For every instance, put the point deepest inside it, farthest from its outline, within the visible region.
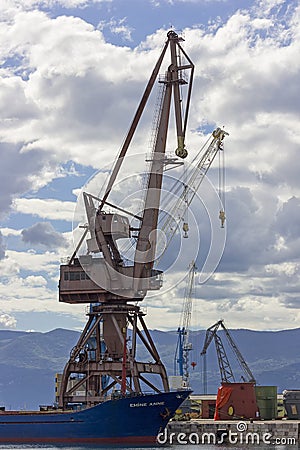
(185, 225)
(221, 189)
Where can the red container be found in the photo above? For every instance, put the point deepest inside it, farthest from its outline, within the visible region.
(236, 401)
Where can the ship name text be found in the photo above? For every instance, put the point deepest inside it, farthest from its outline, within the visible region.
(139, 405)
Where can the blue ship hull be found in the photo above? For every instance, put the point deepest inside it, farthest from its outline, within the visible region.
(129, 420)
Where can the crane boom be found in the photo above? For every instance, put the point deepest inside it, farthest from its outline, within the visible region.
(146, 243)
(183, 345)
(223, 361)
(244, 366)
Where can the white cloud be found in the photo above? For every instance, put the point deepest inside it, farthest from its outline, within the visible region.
(19, 293)
(287, 268)
(45, 208)
(27, 5)
(34, 262)
(117, 27)
(69, 95)
(261, 300)
(23, 294)
(10, 232)
(33, 280)
(266, 6)
(7, 321)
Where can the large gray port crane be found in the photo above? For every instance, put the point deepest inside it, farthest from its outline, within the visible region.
(105, 357)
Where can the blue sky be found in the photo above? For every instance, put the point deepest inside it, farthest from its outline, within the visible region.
(72, 73)
(128, 23)
(140, 18)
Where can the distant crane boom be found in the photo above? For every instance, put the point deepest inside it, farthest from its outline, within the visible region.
(223, 361)
(183, 345)
(179, 200)
(244, 366)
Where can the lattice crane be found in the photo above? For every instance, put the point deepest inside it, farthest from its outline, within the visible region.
(183, 348)
(186, 187)
(223, 361)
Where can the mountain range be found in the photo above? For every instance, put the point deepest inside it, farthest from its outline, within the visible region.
(29, 361)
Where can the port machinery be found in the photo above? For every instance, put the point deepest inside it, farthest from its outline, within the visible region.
(226, 372)
(184, 346)
(104, 360)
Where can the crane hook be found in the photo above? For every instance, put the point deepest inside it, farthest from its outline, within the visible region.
(185, 228)
(222, 218)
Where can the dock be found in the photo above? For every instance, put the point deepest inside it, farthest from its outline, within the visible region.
(209, 431)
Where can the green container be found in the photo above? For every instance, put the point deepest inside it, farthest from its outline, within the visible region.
(266, 397)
